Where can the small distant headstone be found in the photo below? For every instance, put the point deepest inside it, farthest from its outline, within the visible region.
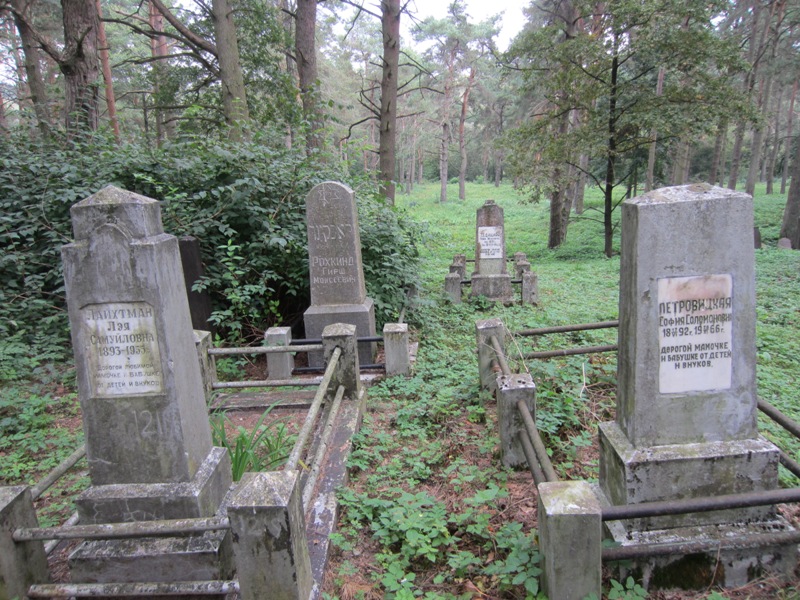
(338, 291)
(491, 278)
(757, 238)
(785, 243)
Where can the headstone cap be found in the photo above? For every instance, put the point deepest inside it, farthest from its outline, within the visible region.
(138, 215)
(686, 193)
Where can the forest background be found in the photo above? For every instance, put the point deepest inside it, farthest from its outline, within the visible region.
(229, 111)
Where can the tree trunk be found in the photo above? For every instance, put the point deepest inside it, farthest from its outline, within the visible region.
(498, 153)
(608, 201)
(3, 121)
(462, 138)
(776, 142)
(791, 211)
(234, 96)
(758, 140)
(306, 56)
(789, 137)
(158, 49)
(560, 202)
(444, 160)
(651, 157)
(111, 102)
(80, 65)
(33, 71)
(390, 28)
(722, 132)
(680, 167)
(580, 185)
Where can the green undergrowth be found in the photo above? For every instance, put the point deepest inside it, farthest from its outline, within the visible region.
(428, 502)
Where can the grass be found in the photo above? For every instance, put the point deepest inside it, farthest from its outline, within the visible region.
(430, 513)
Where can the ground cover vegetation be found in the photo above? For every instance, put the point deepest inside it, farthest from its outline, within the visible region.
(429, 511)
(229, 112)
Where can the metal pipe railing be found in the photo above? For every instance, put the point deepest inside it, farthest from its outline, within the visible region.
(100, 531)
(567, 328)
(53, 544)
(780, 418)
(365, 339)
(93, 590)
(571, 351)
(705, 504)
(237, 385)
(47, 482)
(533, 462)
(322, 392)
(536, 441)
(264, 350)
(316, 464)
(501, 357)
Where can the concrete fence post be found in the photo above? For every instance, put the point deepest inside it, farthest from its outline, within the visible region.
(452, 287)
(530, 288)
(570, 538)
(21, 563)
(484, 330)
(521, 268)
(208, 369)
(395, 349)
(459, 265)
(279, 366)
(343, 336)
(510, 390)
(269, 537)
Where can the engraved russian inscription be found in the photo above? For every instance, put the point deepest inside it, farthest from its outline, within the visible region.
(122, 340)
(695, 317)
(490, 240)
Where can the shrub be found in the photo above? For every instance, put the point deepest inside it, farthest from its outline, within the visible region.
(245, 202)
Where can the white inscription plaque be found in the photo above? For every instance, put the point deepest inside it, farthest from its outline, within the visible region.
(695, 317)
(490, 240)
(121, 346)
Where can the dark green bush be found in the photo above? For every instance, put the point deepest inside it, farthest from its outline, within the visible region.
(245, 203)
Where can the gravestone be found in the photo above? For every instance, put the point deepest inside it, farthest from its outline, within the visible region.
(338, 292)
(686, 397)
(199, 302)
(148, 439)
(491, 278)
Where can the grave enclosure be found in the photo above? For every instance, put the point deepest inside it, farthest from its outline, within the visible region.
(491, 279)
(161, 515)
(685, 479)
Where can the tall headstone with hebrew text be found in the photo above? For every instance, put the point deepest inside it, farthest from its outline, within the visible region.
(491, 278)
(338, 292)
(148, 439)
(686, 387)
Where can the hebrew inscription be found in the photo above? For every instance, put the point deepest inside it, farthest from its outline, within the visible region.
(695, 317)
(122, 340)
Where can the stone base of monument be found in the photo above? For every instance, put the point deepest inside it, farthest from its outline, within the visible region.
(631, 475)
(316, 318)
(201, 557)
(198, 557)
(492, 287)
(740, 562)
(132, 502)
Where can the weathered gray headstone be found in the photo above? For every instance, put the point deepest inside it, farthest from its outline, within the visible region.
(686, 398)
(338, 291)
(491, 278)
(148, 439)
